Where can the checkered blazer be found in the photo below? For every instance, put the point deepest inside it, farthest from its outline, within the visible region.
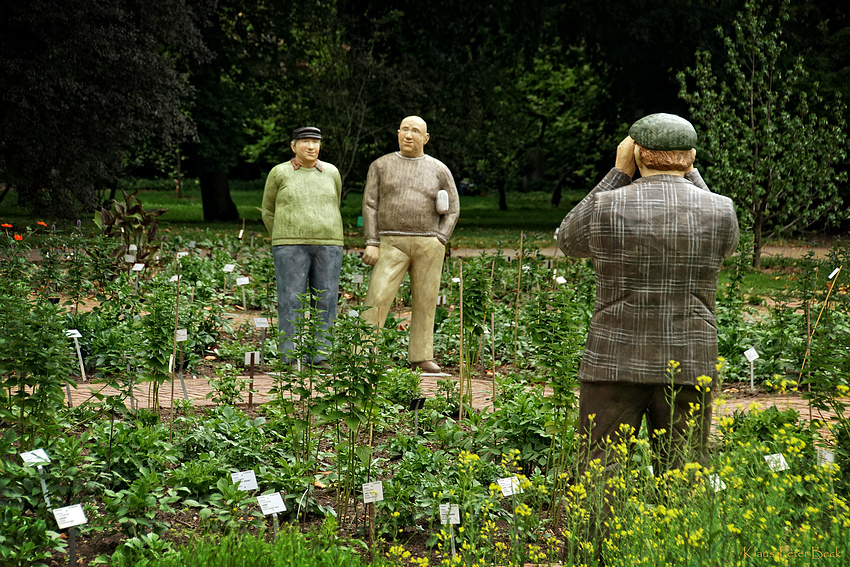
(657, 246)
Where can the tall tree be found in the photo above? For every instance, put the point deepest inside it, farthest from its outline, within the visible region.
(81, 81)
(770, 144)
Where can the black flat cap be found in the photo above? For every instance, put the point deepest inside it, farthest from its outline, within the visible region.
(307, 132)
(665, 132)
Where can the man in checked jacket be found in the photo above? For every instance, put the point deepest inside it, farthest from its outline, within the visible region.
(657, 244)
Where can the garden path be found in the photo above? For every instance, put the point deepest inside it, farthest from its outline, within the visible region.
(731, 399)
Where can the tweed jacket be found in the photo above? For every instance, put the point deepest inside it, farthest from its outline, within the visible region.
(657, 245)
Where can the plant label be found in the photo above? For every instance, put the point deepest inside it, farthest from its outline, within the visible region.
(182, 335)
(132, 248)
(824, 456)
(751, 354)
(228, 268)
(834, 273)
(171, 364)
(456, 280)
(776, 462)
(241, 233)
(509, 486)
(441, 300)
(373, 492)
(138, 267)
(182, 254)
(449, 514)
(242, 281)
(70, 516)
(129, 258)
(549, 264)
(36, 457)
(191, 244)
(556, 234)
(73, 334)
(560, 280)
(271, 503)
(716, 483)
(261, 322)
(174, 278)
(247, 480)
(353, 313)
(357, 278)
(256, 354)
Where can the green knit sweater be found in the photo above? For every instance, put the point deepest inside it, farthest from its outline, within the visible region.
(301, 206)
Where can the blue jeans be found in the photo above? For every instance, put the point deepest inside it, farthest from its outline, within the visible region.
(296, 267)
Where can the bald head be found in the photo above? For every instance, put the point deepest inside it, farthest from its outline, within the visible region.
(412, 137)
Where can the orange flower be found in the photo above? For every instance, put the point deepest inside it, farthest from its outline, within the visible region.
(18, 237)
(44, 224)
(6, 225)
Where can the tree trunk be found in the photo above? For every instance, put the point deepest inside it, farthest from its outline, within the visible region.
(215, 194)
(503, 199)
(556, 193)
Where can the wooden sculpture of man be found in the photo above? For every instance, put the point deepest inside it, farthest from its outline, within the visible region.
(657, 244)
(410, 207)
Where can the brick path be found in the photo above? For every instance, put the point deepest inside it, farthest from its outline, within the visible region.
(482, 391)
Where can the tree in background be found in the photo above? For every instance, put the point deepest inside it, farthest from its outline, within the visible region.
(81, 82)
(770, 145)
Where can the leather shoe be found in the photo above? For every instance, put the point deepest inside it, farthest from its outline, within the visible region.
(426, 366)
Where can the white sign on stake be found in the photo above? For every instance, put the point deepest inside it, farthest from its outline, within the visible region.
(353, 313)
(261, 322)
(441, 300)
(132, 248)
(181, 254)
(716, 483)
(174, 278)
(36, 457)
(191, 244)
(170, 363)
(242, 281)
(776, 462)
(357, 278)
(247, 480)
(825, 456)
(182, 335)
(510, 486)
(373, 491)
(456, 280)
(70, 516)
(256, 354)
(129, 258)
(138, 267)
(228, 268)
(834, 272)
(449, 514)
(561, 280)
(73, 334)
(271, 503)
(241, 233)
(751, 354)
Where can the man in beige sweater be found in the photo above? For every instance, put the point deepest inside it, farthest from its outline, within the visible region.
(410, 207)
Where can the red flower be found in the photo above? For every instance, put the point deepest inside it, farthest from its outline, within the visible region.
(44, 224)
(18, 237)
(6, 225)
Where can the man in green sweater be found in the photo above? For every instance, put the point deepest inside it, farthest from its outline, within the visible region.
(301, 212)
(410, 207)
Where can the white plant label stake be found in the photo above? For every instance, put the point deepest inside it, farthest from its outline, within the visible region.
(228, 269)
(450, 514)
(271, 505)
(75, 334)
(752, 355)
(776, 462)
(509, 486)
(716, 483)
(181, 336)
(37, 458)
(247, 480)
(373, 492)
(68, 517)
(357, 279)
(242, 282)
(825, 457)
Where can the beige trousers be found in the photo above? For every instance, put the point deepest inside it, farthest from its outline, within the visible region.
(422, 257)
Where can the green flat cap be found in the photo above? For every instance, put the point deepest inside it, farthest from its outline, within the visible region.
(665, 132)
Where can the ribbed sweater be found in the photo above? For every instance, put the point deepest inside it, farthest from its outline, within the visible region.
(301, 206)
(400, 198)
